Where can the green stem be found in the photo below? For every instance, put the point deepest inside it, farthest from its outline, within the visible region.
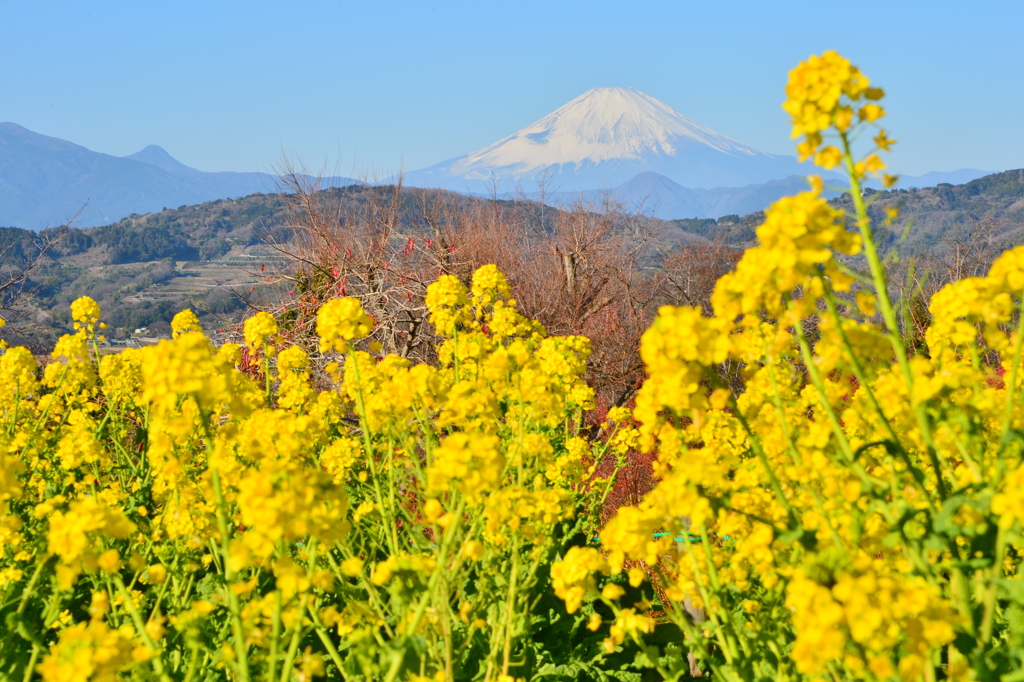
(275, 636)
(31, 663)
(392, 531)
(266, 375)
(421, 608)
(192, 663)
(773, 480)
(321, 632)
(988, 617)
(888, 312)
(31, 585)
(723, 642)
(236, 618)
(293, 645)
(510, 598)
(140, 626)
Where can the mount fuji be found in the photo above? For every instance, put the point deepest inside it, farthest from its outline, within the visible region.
(603, 138)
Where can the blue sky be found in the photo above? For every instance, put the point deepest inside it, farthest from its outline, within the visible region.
(372, 86)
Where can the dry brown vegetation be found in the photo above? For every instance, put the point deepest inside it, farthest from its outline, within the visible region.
(595, 269)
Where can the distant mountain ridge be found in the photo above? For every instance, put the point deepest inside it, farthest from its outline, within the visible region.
(993, 205)
(623, 143)
(995, 202)
(45, 180)
(664, 198)
(668, 200)
(603, 138)
(620, 140)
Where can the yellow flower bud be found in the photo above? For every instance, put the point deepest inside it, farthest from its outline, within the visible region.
(612, 592)
(432, 510)
(157, 574)
(110, 561)
(474, 550)
(352, 567)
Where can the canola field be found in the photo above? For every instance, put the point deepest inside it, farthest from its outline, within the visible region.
(835, 506)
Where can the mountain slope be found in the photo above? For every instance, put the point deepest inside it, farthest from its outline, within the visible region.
(994, 202)
(603, 138)
(45, 180)
(992, 205)
(661, 197)
(669, 200)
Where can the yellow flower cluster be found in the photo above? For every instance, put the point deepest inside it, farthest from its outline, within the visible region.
(518, 511)
(827, 91)
(820, 491)
(572, 578)
(875, 611)
(795, 249)
(824, 92)
(259, 329)
(470, 463)
(341, 321)
(207, 513)
(89, 652)
(85, 313)
(977, 309)
(448, 302)
(73, 535)
(185, 321)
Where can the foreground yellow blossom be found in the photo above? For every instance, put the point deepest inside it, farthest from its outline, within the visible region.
(827, 500)
(160, 510)
(825, 497)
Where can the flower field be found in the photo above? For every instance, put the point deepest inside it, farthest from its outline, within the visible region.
(829, 503)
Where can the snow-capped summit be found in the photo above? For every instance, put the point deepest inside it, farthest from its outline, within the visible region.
(603, 138)
(602, 124)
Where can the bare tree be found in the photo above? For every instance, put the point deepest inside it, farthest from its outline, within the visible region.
(350, 242)
(16, 274)
(690, 271)
(576, 269)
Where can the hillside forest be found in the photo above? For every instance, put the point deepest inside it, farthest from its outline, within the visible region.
(599, 269)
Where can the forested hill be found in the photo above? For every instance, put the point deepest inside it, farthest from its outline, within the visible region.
(144, 268)
(994, 202)
(199, 232)
(212, 229)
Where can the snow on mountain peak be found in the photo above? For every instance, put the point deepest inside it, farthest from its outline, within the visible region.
(603, 138)
(602, 124)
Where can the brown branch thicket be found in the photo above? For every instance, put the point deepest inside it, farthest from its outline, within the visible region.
(690, 272)
(578, 269)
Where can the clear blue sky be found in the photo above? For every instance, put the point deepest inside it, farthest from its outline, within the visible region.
(229, 85)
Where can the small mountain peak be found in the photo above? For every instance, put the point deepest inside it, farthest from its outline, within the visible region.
(156, 155)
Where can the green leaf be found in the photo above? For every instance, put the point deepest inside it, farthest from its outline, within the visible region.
(791, 536)
(27, 631)
(1012, 589)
